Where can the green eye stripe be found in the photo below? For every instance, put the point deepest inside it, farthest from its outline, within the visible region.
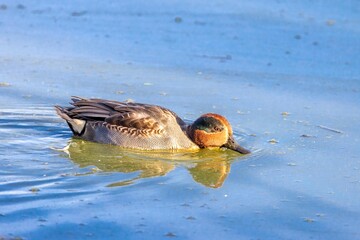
(209, 125)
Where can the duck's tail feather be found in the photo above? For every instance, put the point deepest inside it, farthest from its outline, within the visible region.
(77, 126)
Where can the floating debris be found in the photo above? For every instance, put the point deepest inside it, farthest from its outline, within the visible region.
(307, 136)
(309, 220)
(4, 84)
(292, 164)
(240, 112)
(330, 129)
(216, 57)
(148, 84)
(119, 92)
(330, 22)
(78, 14)
(190, 218)
(285, 114)
(178, 19)
(170, 234)
(34, 190)
(273, 141)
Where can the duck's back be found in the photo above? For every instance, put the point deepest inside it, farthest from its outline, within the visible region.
(130, 125)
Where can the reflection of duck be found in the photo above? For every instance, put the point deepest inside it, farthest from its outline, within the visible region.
(144, 126)
(208, 167)
(211, 173)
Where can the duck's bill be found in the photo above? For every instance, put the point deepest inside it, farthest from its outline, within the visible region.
(233, 145)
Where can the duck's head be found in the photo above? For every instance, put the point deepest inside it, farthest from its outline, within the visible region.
(213, 130)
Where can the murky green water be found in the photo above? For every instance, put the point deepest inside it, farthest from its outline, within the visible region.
(285, 74)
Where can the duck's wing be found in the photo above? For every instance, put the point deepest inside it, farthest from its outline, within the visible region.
(130, 115)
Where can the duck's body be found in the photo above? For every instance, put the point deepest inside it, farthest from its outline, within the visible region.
(143, 126)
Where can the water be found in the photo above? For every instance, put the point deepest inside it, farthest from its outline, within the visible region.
(285, 74)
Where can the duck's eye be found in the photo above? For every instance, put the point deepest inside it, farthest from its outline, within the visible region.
(218, 129)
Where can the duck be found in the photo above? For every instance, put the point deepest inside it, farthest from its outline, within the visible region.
(145, 126)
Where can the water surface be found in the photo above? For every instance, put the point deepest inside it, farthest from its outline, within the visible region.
(285, 74)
